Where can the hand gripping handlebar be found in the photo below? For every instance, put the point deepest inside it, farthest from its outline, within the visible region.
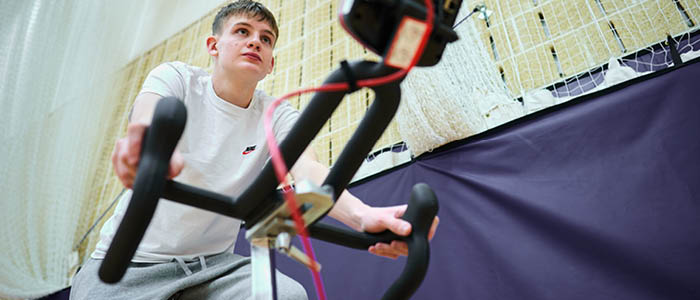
(422, 209)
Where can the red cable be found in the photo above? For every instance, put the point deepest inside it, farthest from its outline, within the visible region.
(281, 173)
(278, 162)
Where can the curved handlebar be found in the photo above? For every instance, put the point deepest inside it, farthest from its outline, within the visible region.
(159, 142)
(150, 185)
(422, 209)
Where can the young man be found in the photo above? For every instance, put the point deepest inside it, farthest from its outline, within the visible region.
(187, 253)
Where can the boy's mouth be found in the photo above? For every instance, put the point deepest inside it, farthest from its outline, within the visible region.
(254, 56)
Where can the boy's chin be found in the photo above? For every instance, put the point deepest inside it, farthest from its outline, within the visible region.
(250, 70)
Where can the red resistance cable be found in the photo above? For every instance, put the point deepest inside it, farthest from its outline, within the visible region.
(279, 165)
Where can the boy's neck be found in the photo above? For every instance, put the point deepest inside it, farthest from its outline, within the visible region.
(235, 91)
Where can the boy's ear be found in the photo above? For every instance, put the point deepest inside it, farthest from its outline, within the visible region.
(272, 65)
(212, 46)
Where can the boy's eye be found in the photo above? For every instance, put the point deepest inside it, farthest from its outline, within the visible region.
(266, 40)
(242, 31)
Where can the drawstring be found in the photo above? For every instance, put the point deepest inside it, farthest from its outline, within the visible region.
(203, 262)
(187, 270)
(182, 264)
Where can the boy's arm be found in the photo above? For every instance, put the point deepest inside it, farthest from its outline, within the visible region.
(353, 212)
(125, 157)
(144, 105)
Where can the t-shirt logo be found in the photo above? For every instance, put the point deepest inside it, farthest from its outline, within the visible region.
(249, 149)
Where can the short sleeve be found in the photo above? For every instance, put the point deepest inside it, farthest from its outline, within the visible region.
(285, 116)
(165, 80)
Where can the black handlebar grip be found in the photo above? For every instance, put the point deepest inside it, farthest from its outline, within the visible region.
(158, 144)
(422, 209)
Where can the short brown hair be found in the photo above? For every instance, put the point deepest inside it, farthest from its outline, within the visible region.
(247, 8)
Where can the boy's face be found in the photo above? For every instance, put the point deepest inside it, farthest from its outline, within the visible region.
(244, 45)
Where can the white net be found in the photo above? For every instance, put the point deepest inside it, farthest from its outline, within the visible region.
(571, 47)
(459, 97)
(546, 52)
(57, 63)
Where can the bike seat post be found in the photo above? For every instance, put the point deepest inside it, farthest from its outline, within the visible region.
(262, 261)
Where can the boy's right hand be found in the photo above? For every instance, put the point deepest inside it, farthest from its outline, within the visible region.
(127, 151)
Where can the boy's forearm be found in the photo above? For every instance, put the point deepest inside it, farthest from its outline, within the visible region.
(144, 106)
(348, 209)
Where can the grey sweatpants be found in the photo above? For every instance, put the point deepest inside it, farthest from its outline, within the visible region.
(221, 276)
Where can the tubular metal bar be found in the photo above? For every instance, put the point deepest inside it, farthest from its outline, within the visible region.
(201, 198)
(422, 209)
(310, 123)
(380, 113)
(263, 276)
(350, 239)
(159, 141)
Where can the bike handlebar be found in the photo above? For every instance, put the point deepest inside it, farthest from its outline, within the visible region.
(151, 184)
(159, 142)
(422, 209)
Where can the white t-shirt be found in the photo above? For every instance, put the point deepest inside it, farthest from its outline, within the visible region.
(224, 149)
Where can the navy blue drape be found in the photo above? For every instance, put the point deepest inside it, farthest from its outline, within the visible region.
(597, 198)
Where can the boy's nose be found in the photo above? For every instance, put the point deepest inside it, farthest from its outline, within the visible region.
(253, 44)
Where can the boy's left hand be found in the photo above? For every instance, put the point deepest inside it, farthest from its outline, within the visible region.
(378, 219)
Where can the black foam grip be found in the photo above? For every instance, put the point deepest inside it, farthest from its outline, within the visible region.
(158, 144)
(422, 209)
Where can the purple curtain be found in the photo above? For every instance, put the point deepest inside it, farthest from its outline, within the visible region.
(597, 198)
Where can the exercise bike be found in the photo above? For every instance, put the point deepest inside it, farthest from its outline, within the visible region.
(387, 27)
